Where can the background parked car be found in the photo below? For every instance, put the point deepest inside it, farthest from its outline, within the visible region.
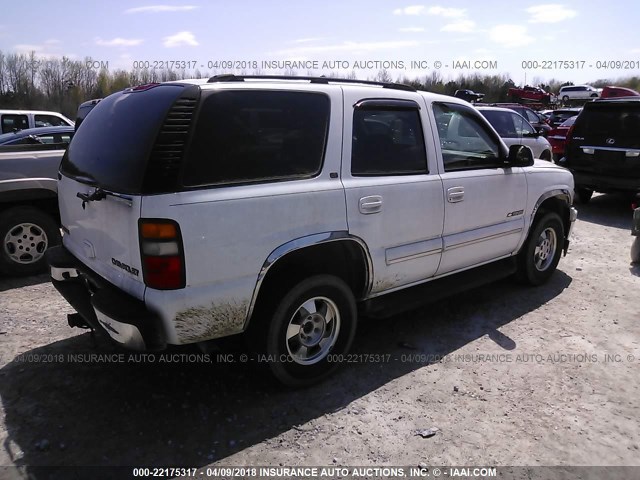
(577, 92)
(12, 120)
(603, 148)
(469, 95)
(34, 136)
(514, 129)
(84, 109)
(537, 121)
(561, 115)
(558, 138)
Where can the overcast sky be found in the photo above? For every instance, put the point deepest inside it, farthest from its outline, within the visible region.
(440, 35)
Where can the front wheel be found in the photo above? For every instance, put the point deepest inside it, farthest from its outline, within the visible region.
(541, 252)
(311, 327)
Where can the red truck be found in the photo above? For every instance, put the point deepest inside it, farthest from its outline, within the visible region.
(529, 94)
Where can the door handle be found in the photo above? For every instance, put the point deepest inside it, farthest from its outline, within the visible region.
(370, 204)
(455, 194)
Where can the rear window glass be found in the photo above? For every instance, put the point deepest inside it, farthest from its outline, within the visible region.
(112, 146)
(618, 122)
(248, 136)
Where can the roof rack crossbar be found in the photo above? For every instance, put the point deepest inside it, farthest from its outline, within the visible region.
(322, 80)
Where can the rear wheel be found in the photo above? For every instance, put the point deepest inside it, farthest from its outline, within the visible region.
(541, 252)
(565, 99)
(546, 155)
(26, 233)
(313, 322)
(583, 194)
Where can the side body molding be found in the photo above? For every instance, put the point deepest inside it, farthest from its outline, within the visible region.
(303, 242)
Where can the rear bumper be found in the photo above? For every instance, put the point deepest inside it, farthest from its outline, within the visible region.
(126, 320)
(605, 183)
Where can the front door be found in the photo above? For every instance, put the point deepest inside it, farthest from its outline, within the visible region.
(484, 202)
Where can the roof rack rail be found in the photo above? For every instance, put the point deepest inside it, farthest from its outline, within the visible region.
(324, 80)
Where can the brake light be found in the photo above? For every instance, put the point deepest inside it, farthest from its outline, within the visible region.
(162, 254)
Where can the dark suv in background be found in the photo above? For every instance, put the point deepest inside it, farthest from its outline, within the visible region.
(603, 149)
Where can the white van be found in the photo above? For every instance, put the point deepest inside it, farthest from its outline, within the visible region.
(578, 92)
(12, 120)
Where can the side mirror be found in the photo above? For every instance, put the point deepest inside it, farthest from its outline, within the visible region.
(519, 156)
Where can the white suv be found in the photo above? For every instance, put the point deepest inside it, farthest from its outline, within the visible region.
(279, 206)
(578, 92)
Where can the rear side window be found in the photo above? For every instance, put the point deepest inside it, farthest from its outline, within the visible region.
(387, 142)
(11, 122)
(252, 136)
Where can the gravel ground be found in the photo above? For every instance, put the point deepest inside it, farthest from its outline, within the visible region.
(508, 375)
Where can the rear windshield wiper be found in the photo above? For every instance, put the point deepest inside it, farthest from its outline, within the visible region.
(100, 194)
(97, 195)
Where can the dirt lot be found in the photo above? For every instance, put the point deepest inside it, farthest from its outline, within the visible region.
(525, 380)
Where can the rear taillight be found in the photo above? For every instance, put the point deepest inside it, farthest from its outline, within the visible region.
(162, 254)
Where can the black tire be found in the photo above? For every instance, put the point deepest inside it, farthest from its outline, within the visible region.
(635, 250)
(284, 354)
(583, 195)
(546, 155)
(43, 233)
(540, 236)
(565, 99)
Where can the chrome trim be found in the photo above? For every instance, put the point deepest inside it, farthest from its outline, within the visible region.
(413, 256)
(611, 149)
(59, 273)
(409, 251)
(482, 239)
(304, 242)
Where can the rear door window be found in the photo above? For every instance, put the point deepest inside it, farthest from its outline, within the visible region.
(255, 136)
(387, 142)
(12, 122)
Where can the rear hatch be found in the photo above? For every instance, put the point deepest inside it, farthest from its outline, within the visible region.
(130, 146)
(606, 140)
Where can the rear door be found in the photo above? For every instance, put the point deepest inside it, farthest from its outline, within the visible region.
(106, 170)
(393, 192)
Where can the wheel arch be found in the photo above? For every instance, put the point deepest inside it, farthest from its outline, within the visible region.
(558, 201)
(336, 253)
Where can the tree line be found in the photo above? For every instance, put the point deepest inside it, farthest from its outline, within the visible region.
(28, 81)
